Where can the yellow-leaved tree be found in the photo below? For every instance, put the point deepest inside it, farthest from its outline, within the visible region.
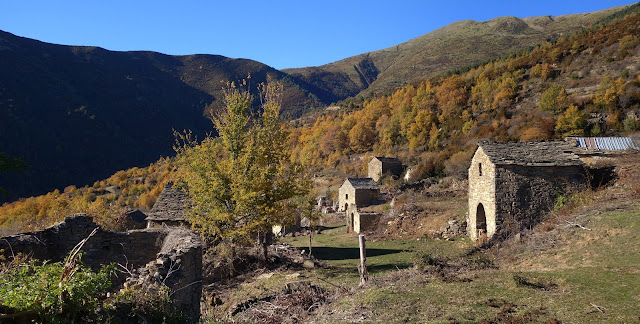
(242, 182)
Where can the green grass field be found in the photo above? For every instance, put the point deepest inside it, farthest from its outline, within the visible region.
(589, 275)
(559, 273)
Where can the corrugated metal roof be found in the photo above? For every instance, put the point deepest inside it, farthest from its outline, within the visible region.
(606, 143)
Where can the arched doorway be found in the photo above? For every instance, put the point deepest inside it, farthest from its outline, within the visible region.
(481, 222)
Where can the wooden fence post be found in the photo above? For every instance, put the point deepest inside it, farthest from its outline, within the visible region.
(362, 269)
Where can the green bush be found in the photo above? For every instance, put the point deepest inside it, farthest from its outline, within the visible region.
(52, 292)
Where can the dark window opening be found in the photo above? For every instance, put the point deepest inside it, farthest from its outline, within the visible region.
(480, 169)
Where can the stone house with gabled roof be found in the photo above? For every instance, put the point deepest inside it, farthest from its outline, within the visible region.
(170, 208)
(380, 165)
(357, 191)
(512, 185)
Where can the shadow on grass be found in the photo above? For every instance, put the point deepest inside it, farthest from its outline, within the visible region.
(342, 253)
(326, 228)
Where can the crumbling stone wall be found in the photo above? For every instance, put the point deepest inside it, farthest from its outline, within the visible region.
(132, 249)
(178, 265)
(173, 255)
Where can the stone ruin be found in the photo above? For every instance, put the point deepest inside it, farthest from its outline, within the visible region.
(171, 255)
(359, 221)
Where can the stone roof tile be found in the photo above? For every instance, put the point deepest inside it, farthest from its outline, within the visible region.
(363, 183)
(170, 206)
(385, 159)
(543, 153)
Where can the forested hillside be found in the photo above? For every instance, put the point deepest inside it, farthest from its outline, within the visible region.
(78, 114)
(586, 83)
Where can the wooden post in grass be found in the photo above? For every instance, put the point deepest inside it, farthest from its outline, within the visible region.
(362, 269)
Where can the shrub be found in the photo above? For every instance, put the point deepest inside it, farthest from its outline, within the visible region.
(53, 292)
(545, 284)
(630, 124)
(425, 260)
(149, 304)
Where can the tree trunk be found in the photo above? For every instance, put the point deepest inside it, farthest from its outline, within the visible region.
(265, 241)
(264, 251)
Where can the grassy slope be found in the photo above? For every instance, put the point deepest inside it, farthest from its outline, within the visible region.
(581, 274)
(439, 51)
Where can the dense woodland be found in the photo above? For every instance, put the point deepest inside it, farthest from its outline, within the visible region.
(587, 83)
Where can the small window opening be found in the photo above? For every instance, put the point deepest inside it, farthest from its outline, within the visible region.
(480, 169)
(346, 196)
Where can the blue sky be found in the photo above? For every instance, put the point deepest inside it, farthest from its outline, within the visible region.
(282, 34)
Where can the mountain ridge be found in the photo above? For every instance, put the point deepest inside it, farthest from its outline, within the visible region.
(77, 114)
(416, 59)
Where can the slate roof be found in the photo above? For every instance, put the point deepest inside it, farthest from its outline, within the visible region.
(385, 159)
(604, 143)
(170, 206)
(362, 183)
(136, 215)
(544, 153)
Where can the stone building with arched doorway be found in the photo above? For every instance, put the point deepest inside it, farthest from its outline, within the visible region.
(515, 184)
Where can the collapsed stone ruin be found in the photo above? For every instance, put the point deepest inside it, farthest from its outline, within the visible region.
(168, 255)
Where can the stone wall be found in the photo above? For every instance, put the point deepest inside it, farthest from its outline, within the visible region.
(377, 168)
(482, 190)
(525, 194)
(365, 197)
(346, 196)
(366, 222)
(358, 221)
(133, 249)
(178, 264)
